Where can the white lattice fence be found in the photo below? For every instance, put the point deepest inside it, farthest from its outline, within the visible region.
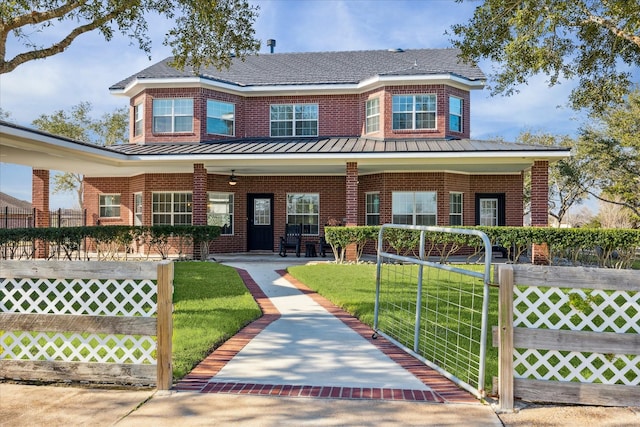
(569, 335)
(86, 321)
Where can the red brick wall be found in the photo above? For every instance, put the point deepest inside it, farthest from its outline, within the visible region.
(540, 194)
(332, 191)
(339, 115)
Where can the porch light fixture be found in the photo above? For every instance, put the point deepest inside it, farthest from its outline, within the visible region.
(233, 180)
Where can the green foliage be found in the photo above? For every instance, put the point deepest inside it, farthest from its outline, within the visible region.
(594, 42)
(609, 151)
(77, 124)
(204, 33)
(113, 240)
(211, 304)
(611, 248)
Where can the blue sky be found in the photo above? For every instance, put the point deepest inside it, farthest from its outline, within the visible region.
(88, 67)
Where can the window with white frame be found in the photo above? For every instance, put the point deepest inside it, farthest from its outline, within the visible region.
(372, 208)
(171, 208)
(414, 208)
(413, 112)
(455, 208)
(455, 114)
(173, 115)
(373, 115)
(137, 209)
(304, 209)
(489, 212)
(109, 206)
(220, 212)
(220, 117)
(138, 119)
(294, 120)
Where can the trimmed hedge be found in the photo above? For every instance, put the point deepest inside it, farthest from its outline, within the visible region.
(610, 248)
(109, 240)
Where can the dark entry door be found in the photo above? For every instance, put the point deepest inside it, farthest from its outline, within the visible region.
(260, 222)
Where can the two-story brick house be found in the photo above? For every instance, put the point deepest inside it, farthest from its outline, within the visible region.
(365, 137)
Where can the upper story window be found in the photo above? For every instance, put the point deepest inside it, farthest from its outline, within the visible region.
(455, 114)
(138, 119)
(109, 206)
(173, 115)
(171, 208)
(414, 112)
(414, 208)
(220, 117)
(294, 120)
(373, 115)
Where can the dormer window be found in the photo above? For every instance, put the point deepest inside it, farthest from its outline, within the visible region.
(138, 119)
(373, 115)
(172, 115)
(413, 112)
(294, 120)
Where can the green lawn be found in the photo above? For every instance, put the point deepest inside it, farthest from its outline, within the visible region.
(352, 287)
(211, 304)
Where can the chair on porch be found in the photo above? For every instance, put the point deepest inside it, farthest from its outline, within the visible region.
(292, 239)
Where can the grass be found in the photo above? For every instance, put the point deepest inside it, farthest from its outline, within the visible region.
(352, 287)
(211, 303)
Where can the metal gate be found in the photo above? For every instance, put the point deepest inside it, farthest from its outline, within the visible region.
(435, 311)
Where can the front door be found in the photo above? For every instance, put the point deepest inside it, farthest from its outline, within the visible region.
(260, 222)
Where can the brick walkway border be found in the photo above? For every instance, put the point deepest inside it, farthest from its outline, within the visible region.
(199, 379)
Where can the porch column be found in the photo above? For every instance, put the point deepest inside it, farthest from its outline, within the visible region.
(199, 199)
(351, 204)
(540, 207)
(40, 203)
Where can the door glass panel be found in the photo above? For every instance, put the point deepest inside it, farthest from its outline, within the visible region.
(262, 212)
(489, 212)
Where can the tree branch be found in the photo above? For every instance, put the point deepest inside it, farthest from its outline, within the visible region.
(8, 66)
(609, 25)
(34, 17)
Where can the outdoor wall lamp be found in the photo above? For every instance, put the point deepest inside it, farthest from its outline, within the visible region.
(233, 179)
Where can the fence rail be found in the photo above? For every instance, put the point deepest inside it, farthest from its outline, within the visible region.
(568, 335)
(58, 325)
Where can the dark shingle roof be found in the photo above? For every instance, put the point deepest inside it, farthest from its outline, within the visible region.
(335, 145)
(317, 68)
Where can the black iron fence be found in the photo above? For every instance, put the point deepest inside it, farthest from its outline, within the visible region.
(26, 218)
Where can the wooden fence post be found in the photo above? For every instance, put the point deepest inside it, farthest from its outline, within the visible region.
(505, 344)
(165, 325)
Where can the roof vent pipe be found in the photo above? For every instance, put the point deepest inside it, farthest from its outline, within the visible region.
(271, 43)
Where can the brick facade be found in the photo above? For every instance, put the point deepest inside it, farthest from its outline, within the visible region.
(338, 115)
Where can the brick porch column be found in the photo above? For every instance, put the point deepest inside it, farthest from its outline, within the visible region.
(40, 202)
(199, 199)
(351, 204)
(540, 207)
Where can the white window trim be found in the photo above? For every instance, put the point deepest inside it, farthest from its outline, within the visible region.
(413, 112)
(232, 210)
(368, 214)
(293, 121)
(368, 116)
(102, 204)
(461, 214)
(317, 224)
(135, 209)
(461, 115)
(138, 117)
(414, 215)
(233, 130)
(173, 116)
(173, 213)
